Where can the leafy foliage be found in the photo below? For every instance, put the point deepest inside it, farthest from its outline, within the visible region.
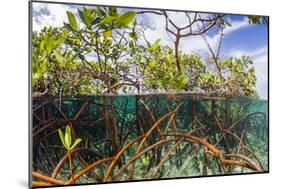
(104, 55)
(72, 21)
(66, 138)
(258, 20)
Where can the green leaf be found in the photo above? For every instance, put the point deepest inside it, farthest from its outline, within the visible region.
(96, 21)
(62, 138)
(83, 17)
(42, 45)
(67, 26)
(82, 57)
(75, 40)
(112, 11)
(131, 44)
(72, 21)
(68, 129)
(100, 12)
(61, 39)
(67, 137)
(183, 81)
(125, 19)
(107, 34)
(86, 16)
(133, 35)
(151, 64)
(35, 76)
(76, 142)
(59, 58)
(145, 160)
(49, 44)
(108, 20)
(155, 45)
(148, 44)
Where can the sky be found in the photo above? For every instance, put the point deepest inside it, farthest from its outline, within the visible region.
(240, 39)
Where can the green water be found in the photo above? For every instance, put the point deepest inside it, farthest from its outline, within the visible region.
(107, 123)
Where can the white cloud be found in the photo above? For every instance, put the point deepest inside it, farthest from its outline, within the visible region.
(196, 44)
(157, 30)
(48, 14)
(261, 70)
(237, 25)
(179, 18)
(253, 53)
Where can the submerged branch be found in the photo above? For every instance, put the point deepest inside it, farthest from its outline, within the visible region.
(47, 179)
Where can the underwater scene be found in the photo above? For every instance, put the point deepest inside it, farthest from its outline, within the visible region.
(135, 137)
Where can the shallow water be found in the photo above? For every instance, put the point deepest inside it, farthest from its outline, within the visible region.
(107, 123)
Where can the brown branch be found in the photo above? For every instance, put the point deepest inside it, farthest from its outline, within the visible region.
(118, 85)
(244, 117)
(74, 151)
(43, 128)
(83, 161)
(80, 173)
(67, 120)
(47, 179)
(141, 153)
(147, 134)
(251, 163)
(195, 19)
(216, 152)
(40, 184)
(199, 32)
(156, 125)
(41, 106)
(244, 146)
(150, 114)
(117, 157)
(70, 167)
(81, 110)
(174, 122)
(165, 158)
(167, 25)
